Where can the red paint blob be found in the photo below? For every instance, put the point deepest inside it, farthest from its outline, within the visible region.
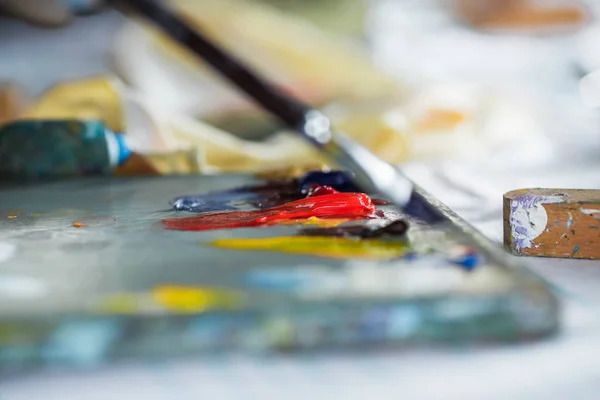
(337, 205)
(317, 190)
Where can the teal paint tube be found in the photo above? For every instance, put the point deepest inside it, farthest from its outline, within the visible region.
(51, 149)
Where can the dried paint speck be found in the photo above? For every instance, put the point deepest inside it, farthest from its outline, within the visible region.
(570, 220)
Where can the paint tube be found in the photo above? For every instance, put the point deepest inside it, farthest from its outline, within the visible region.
(49, 149)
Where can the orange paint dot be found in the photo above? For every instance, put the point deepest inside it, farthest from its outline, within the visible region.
(439, 120)
(78, 225)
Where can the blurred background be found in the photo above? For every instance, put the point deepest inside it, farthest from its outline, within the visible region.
(472, 98)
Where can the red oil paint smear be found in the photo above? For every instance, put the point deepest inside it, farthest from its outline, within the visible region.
(336, 205)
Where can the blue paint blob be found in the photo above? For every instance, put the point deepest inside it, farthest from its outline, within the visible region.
(278, 280)
(339, 180)
(374, 324)
(404, 321)
(468, 261)
(82, 342)
(410, 257)
(420, 208)
(209, 330)
(220, 201)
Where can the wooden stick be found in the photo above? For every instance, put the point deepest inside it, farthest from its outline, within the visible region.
(562, 223)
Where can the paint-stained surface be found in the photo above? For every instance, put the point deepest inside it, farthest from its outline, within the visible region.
(124, 287)
(553, 223)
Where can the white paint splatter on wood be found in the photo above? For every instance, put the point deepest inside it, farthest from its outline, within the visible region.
(528, 219)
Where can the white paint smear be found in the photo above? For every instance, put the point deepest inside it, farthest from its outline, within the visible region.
(589, 211)
(7, 251)
(21, 287)
(532, 220)
(529, 219)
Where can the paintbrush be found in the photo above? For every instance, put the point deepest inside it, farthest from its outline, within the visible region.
(370, 173)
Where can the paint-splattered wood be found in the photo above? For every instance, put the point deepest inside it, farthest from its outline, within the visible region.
(553, 223)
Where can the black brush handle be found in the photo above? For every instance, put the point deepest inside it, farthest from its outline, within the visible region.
(290, 111)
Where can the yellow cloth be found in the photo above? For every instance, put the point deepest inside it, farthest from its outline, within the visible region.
(93, 98)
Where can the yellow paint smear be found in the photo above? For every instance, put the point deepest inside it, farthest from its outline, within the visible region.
(173, 298)
(325, 223)
(190, 299)
(321, 246)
